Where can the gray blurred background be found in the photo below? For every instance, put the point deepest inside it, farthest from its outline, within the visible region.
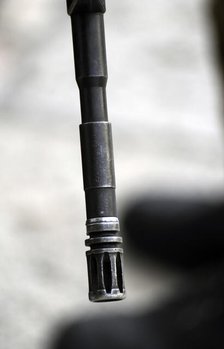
(164, 103)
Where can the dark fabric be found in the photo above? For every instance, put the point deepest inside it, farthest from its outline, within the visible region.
(186, 232)
(194, 320)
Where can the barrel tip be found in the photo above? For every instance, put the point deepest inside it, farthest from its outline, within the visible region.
(105, 270)
(103, 296)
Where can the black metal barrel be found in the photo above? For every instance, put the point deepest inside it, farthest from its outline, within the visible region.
(104, 259)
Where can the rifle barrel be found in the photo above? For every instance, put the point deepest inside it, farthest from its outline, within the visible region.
(104, 259)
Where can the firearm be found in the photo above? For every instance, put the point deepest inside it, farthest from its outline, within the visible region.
(105, 257)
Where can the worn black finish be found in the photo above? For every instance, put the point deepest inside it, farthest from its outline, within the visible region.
(97, 152)
(105, 255)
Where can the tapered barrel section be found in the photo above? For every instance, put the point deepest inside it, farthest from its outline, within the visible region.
(105, 254)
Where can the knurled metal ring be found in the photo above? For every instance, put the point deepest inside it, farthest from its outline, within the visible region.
(102, 224)
(105, 250)
(104, 240)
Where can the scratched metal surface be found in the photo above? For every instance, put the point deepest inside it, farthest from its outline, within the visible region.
(163, 99)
